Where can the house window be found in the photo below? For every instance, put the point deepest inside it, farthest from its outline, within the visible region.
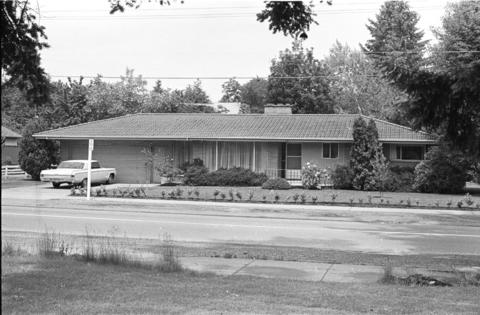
(294, 156)
(409, 152)
(330, 150)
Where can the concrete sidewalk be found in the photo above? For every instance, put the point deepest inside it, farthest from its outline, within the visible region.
(304, 271)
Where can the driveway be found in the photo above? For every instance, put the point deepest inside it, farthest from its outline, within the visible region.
(34, 191)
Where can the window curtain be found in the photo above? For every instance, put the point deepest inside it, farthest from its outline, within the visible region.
(235, 154)
(203, 150)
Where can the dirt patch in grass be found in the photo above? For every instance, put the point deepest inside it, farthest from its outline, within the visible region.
(64, 285)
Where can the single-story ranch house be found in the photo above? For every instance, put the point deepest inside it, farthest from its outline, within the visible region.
(277, 142)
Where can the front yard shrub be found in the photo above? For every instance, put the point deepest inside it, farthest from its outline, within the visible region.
(276, 197)
(251, 193)
(303, 198)
(36, 155)
(342, 177)
(369, 165)
(400, 178)
(196, 175)
(196, 192)
(236, 176)
(167, 169)
(276, 184)
(468, 199)
(310, 176)
(444, 171)
(295, 197)
(179, 192)
(314, 177)
(239, 195)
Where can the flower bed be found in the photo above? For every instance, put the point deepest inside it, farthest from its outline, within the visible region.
(291, 196)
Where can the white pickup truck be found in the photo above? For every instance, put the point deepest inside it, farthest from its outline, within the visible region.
(74, 172)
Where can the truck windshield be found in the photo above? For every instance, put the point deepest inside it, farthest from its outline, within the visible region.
(66, 164)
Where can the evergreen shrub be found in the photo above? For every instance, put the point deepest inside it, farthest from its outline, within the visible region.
(276, 184)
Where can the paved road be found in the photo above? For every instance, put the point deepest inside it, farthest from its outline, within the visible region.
(393, 233)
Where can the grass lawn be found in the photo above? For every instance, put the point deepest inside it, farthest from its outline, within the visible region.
(154, 248)
(326, 196)
(63, 285)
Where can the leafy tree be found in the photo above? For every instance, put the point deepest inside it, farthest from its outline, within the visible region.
(298, 78)
(16, 109)
(358, 88)
(231, 91)
(195, 94)
(443, 90)
(132, 92)
(289, 17)
(36, 155)
(103, 99)
(158, 87)
(169, 101)
(368, 163)
(254, 93)
(21, 40)
(68, 104)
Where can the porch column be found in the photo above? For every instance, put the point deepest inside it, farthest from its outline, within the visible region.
(253, 164)
(216, 155)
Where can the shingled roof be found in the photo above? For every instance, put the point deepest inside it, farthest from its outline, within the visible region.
(9, 133)
(323, 127)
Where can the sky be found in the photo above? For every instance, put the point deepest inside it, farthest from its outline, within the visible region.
(194, 39)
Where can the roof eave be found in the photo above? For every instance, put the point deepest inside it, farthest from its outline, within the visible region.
(282, 139)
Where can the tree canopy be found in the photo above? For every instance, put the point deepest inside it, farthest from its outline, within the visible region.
(357, 87)
(443, 88)
(232, 91)
(21, 41)
(298, 78)
(292, 18)
(254, 93)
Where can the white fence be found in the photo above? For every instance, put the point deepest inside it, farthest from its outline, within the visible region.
(11, 170)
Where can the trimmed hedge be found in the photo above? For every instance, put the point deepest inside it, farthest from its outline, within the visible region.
(276, 184)
(397, 178)
(196, 175)
(236, 176)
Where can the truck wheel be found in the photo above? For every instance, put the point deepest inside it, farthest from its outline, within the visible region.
(84, 183)
(55, 185)
(110, 179)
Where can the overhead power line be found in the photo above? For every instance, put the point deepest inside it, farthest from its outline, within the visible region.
(210, 77)
(205, 14)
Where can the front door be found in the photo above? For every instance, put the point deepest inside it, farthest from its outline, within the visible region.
(293, 161)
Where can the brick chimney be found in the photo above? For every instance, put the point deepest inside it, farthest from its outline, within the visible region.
(278, 109)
